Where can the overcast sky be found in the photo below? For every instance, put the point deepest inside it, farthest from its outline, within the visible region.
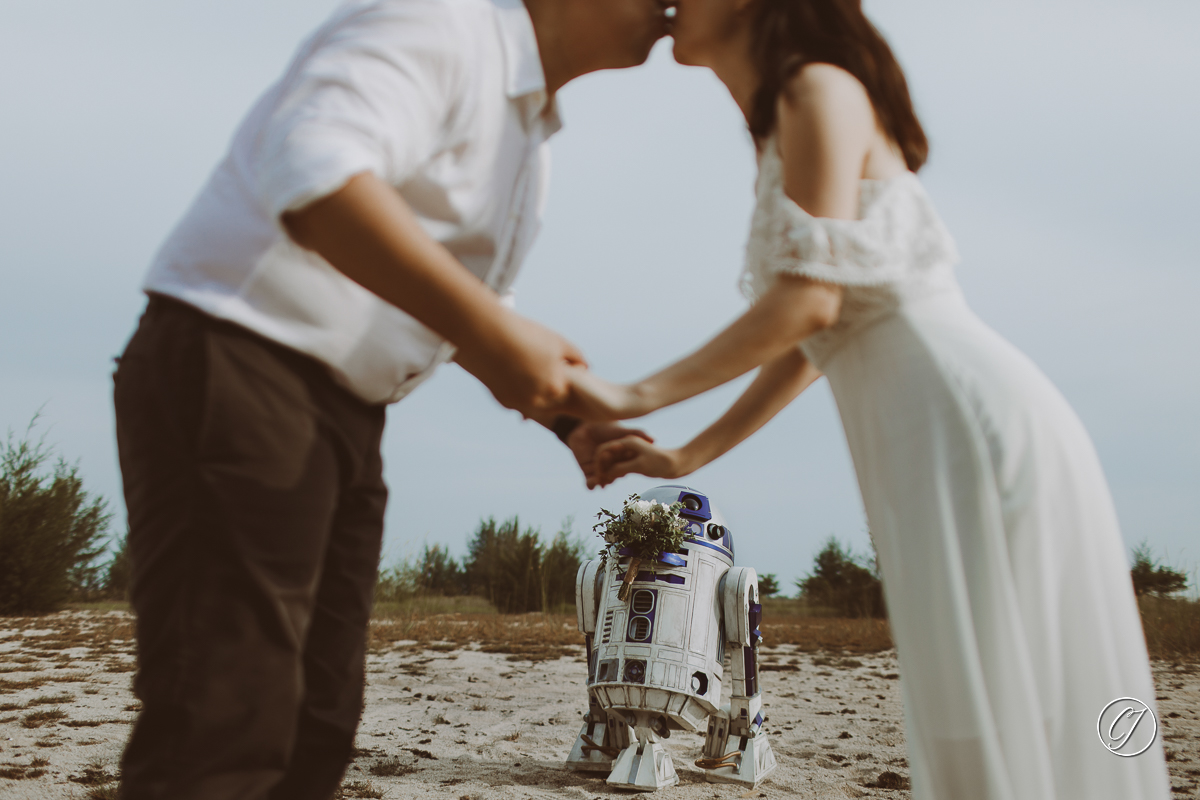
(1063, 159)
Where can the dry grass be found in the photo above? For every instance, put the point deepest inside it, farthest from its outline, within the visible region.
(813, 634)
(393, 767)
(358, 789)
(16, 686)
(94, 774)
(52, 699)
(1172, 631)
(19, 772)
(1172, 627)
(537, 637)
(532, 637)
(105, 634)
(39, 718)
(431, 605)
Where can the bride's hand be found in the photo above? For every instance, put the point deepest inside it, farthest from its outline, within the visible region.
(593, 398)
(632, 454)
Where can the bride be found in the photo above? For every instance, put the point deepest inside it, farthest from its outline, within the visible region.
(1006, 583)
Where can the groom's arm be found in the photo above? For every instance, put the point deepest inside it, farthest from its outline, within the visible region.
(367, 231)
(359, 115)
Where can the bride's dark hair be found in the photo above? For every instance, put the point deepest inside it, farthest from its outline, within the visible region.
(788, 34)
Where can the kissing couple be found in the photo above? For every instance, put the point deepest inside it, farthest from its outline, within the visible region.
(365, 226)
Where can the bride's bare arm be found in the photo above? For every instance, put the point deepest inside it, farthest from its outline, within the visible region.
(777, 384)
(793, 309)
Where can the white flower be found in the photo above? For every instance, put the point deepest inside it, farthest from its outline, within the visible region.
(639, 509)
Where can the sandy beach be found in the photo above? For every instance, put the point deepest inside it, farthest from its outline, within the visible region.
(468, 720)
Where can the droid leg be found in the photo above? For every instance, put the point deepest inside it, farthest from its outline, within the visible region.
(736, 749)
(645, 765)
(600, 741)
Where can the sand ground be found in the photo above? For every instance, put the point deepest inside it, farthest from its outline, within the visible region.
(449, 721)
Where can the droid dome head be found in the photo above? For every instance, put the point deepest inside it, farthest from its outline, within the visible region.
(706, 523)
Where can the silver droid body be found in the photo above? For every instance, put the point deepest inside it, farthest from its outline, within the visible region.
(656, 660)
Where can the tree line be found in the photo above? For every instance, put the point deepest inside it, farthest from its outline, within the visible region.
(849, 584)
(55, 548)
(513, 569)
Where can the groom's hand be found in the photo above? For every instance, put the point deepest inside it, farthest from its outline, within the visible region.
(588, 436)
(524, 364)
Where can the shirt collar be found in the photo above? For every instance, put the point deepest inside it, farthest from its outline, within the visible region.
(524, 78)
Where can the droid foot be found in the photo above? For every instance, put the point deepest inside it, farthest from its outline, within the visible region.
(644, 766)
(588, 755)
(744, 764)
(599, 742)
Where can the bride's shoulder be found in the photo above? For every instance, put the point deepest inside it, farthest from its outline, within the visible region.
(824, 129)
(825, 89)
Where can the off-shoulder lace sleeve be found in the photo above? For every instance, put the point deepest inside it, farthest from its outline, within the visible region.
(898, 236)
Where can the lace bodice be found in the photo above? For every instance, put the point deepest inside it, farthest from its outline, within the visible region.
(897, 250)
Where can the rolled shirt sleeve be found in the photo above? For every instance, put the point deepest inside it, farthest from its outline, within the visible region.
(375, 96)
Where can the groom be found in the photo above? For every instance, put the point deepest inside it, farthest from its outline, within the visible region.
(373, 209)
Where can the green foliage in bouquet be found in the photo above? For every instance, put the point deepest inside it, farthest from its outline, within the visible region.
(646, 527)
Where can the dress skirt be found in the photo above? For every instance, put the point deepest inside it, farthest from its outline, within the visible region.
(1004, 571)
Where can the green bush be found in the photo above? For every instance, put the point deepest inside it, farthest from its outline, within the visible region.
(508, 567)
(843, 582)
(51, 530)
(117, 573)
(396, 584)
(768, 585)
(1151, 577)
(436, 574)
(439, 573)
(560, 564)
(504, 564)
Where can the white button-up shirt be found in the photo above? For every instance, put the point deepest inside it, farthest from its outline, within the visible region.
(443, 99)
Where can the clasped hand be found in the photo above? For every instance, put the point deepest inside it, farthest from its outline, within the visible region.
(606, 451)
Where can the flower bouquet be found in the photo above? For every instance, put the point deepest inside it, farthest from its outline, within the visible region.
(646, 527)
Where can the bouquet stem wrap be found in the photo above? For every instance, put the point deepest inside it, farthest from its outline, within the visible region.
(626, 589)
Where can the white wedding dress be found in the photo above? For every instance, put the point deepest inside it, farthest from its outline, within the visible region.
(1007, 587)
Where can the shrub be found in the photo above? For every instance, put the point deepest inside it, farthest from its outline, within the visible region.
(516, 573)
(560, 563)
(841, 581)
(768, 585)
(117, 573)
(1150, 577)
(507, 567)
(504, 564)
(51, 530)
(439, 573)
(396, 584)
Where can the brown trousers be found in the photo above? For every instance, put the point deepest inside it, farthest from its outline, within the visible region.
(255, 496)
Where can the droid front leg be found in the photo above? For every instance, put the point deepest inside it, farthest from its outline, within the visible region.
(736, 749)
(645, 765)
(600, 740)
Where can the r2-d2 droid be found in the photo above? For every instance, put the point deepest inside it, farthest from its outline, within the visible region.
(655, 662)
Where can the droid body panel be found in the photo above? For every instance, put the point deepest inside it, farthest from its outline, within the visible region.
(655, 661)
